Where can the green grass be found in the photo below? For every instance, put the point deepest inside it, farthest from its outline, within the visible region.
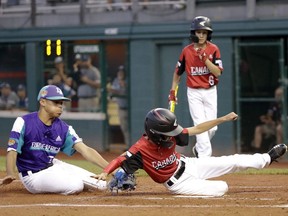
(95, 169)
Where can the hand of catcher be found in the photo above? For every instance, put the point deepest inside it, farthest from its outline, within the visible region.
(202, 55)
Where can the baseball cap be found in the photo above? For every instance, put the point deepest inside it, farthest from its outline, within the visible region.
(85, 57)
(78, 56)
(58, 59)
(51, 92)
(21, 87)
(121, 67)
(5, 85)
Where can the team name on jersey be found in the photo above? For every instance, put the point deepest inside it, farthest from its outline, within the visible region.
(198, 71)
(167, 161)
(44, 147)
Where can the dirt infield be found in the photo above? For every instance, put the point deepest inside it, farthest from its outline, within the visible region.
(248, 195)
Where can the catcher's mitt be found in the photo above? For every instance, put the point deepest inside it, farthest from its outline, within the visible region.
(122, 181)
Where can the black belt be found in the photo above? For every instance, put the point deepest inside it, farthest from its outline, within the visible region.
(178, 173)
(25, 173)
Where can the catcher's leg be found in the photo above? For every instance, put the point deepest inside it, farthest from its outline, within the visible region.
(54, 179)
(85, 175)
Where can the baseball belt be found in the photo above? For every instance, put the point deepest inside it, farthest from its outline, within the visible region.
(25, 173)
(178, 174)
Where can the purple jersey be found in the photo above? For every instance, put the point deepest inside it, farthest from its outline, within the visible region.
(37, 144)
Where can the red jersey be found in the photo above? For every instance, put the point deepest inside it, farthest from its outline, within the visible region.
(160, 163)
(198, 75)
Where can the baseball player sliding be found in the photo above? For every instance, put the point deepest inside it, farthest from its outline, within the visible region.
(35, 140)
(202, 63)
(155, 153)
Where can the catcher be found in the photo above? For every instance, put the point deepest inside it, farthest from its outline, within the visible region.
(36, 139)
(155, 153)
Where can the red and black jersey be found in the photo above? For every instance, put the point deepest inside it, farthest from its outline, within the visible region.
(160, 163)
(198, 75)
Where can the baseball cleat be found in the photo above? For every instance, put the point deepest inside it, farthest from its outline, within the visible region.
(195, 152)
(277, 151)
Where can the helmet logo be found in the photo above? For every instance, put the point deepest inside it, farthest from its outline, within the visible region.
(202, 23)
(175, 123)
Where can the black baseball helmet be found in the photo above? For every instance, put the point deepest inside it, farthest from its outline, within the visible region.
(160, 125)
(201, 23)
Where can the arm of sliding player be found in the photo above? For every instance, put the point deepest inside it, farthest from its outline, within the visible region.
(205, 126)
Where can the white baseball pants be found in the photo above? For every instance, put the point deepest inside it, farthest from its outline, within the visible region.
(203, 107)
(194, 181)
(61, 178)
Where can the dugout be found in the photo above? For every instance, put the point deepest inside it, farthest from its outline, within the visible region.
(150, 51)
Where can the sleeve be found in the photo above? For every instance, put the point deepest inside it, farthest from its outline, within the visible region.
(97, 74)
(114, 164)
(130, 163)
(217, 59)
(16, 138)
(183, 138)
(71, 138)
(180, 67)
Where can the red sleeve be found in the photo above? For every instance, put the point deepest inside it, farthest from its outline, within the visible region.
(114, 164)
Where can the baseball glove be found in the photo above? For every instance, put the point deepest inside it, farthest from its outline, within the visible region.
(122, 181)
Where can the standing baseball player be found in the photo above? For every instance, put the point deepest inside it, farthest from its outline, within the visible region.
(155, 153)
(36, 138)
(202, 63)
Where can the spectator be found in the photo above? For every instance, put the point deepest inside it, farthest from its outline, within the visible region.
(119, 91)
(23, 99)
(8, 98)
(62, 79)
(267, 133)
(66, 89)
(88, 81)
(61, 70)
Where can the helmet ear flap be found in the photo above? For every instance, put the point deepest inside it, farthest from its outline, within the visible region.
(209, 37)
(193, 38)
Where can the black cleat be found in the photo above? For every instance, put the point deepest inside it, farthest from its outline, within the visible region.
(277, 151)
